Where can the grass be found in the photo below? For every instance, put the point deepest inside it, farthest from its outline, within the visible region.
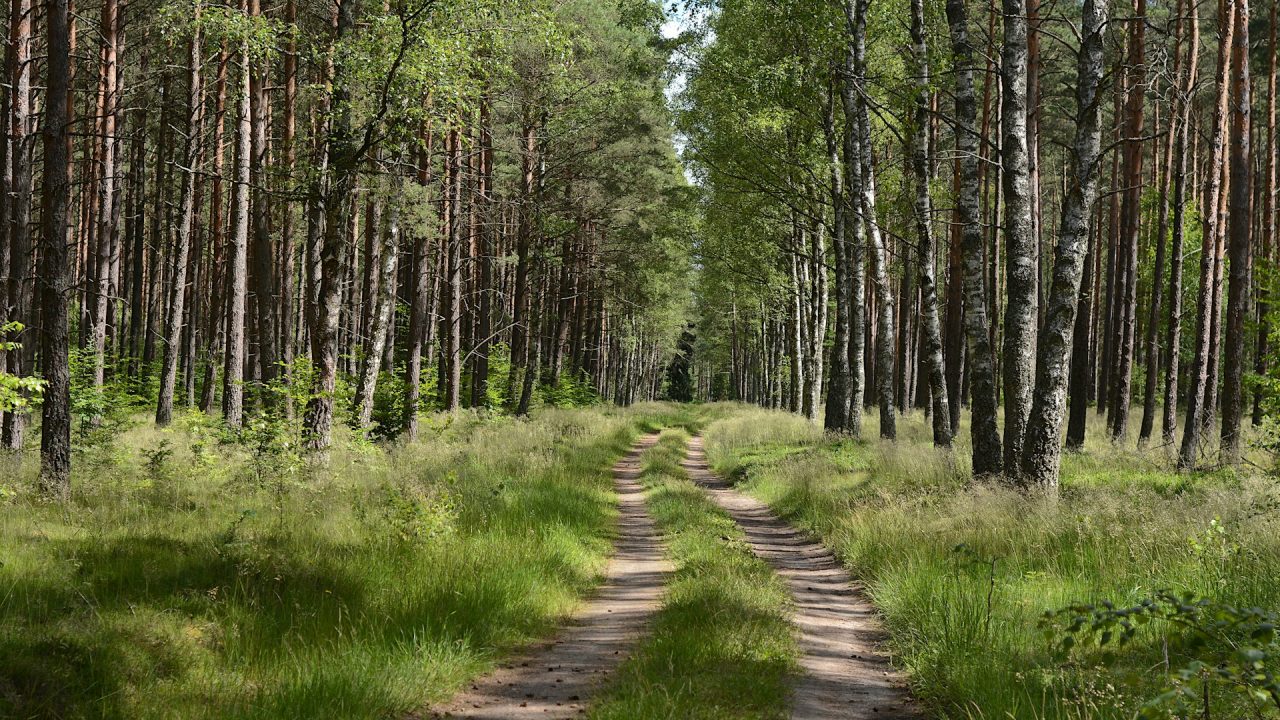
(193, 579)
(721, 647)
(963, 572)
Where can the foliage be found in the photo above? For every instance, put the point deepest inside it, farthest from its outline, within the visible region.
(16, 393)
(1228, 647)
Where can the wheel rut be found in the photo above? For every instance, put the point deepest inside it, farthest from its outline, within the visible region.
(845, 674)
(557, 679)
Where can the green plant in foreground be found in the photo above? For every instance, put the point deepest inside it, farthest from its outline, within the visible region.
(1226, 647)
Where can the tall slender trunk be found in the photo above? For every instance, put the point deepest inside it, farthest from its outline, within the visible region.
(1197, 392)
(18, 219)
(1268, 217)
(987, 455)
(1240, 224)
(237, 254)
(1130, 223)
(1173, 343)
(1162, 228)
(182, 245)
(1041, 457)
(840, 389)
(105, 231)
(54, 279)
(262, 250)
(1021, 249)
(924, 231)
(384, 307)
(856, 19)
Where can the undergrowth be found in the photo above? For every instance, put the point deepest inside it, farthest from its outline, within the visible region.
(964, 573)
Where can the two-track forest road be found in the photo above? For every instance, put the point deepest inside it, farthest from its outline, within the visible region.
(557, 679)
(844, 674)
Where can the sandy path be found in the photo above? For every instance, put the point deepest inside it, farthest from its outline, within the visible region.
(556, 680)
(845, 675)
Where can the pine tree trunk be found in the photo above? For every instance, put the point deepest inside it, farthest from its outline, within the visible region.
(1130, 224)
(1186, 82)
(1239, 224)
(385, 307)
(18, 208)
(54, 279)
(237, 255)
(1198, 395)
(182, 245)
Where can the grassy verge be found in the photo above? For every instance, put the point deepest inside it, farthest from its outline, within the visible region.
(963, 573)
(721, 647)
(189, 579)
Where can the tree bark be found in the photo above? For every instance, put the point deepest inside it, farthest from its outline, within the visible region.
(1021, 249)
(1041, 457)
(1197, 392)
(856, 19)
(22, 257)
(924, 231)
(1239, 224)
(237, 254)
(182, 245)
(54, 280)
(987, 455)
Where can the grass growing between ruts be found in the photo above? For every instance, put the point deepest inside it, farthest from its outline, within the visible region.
(721, 648)
(963, 572)
(183, 582)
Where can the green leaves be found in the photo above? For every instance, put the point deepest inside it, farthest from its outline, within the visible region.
(1224, 646)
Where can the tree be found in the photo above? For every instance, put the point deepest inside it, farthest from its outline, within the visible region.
(54, 280)
(1041, 455)
(924, 230)
(987, 456)
(1239, 224)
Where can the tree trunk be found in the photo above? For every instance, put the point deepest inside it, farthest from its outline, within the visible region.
(1186, 83)
(54, 280)
(237, 255)
(987, 455)
(857, 26)
(22, 257)
(924, 231)
(385, 307)
(1021, 249)
(1239, 223)
(1130, 224)
(839, 390)
(1042, 453)
(1197, 391)
(178, 288)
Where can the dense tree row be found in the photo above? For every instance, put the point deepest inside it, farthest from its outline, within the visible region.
(1011, 202)
(337, 212)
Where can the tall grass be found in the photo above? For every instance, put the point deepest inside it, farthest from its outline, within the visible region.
(722, 646)
(193, 579)
(963, 572)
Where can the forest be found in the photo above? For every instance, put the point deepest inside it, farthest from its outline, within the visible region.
(639, 359)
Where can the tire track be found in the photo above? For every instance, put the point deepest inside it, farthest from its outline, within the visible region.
(845, 674)
(557, 679)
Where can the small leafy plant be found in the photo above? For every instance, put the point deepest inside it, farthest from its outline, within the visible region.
(1225, 648)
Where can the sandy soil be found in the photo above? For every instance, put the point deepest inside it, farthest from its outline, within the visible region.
(845, 674)
(556, 679)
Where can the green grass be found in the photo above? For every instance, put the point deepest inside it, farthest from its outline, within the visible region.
(190, 579)
(721, 647)
(963, 622)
